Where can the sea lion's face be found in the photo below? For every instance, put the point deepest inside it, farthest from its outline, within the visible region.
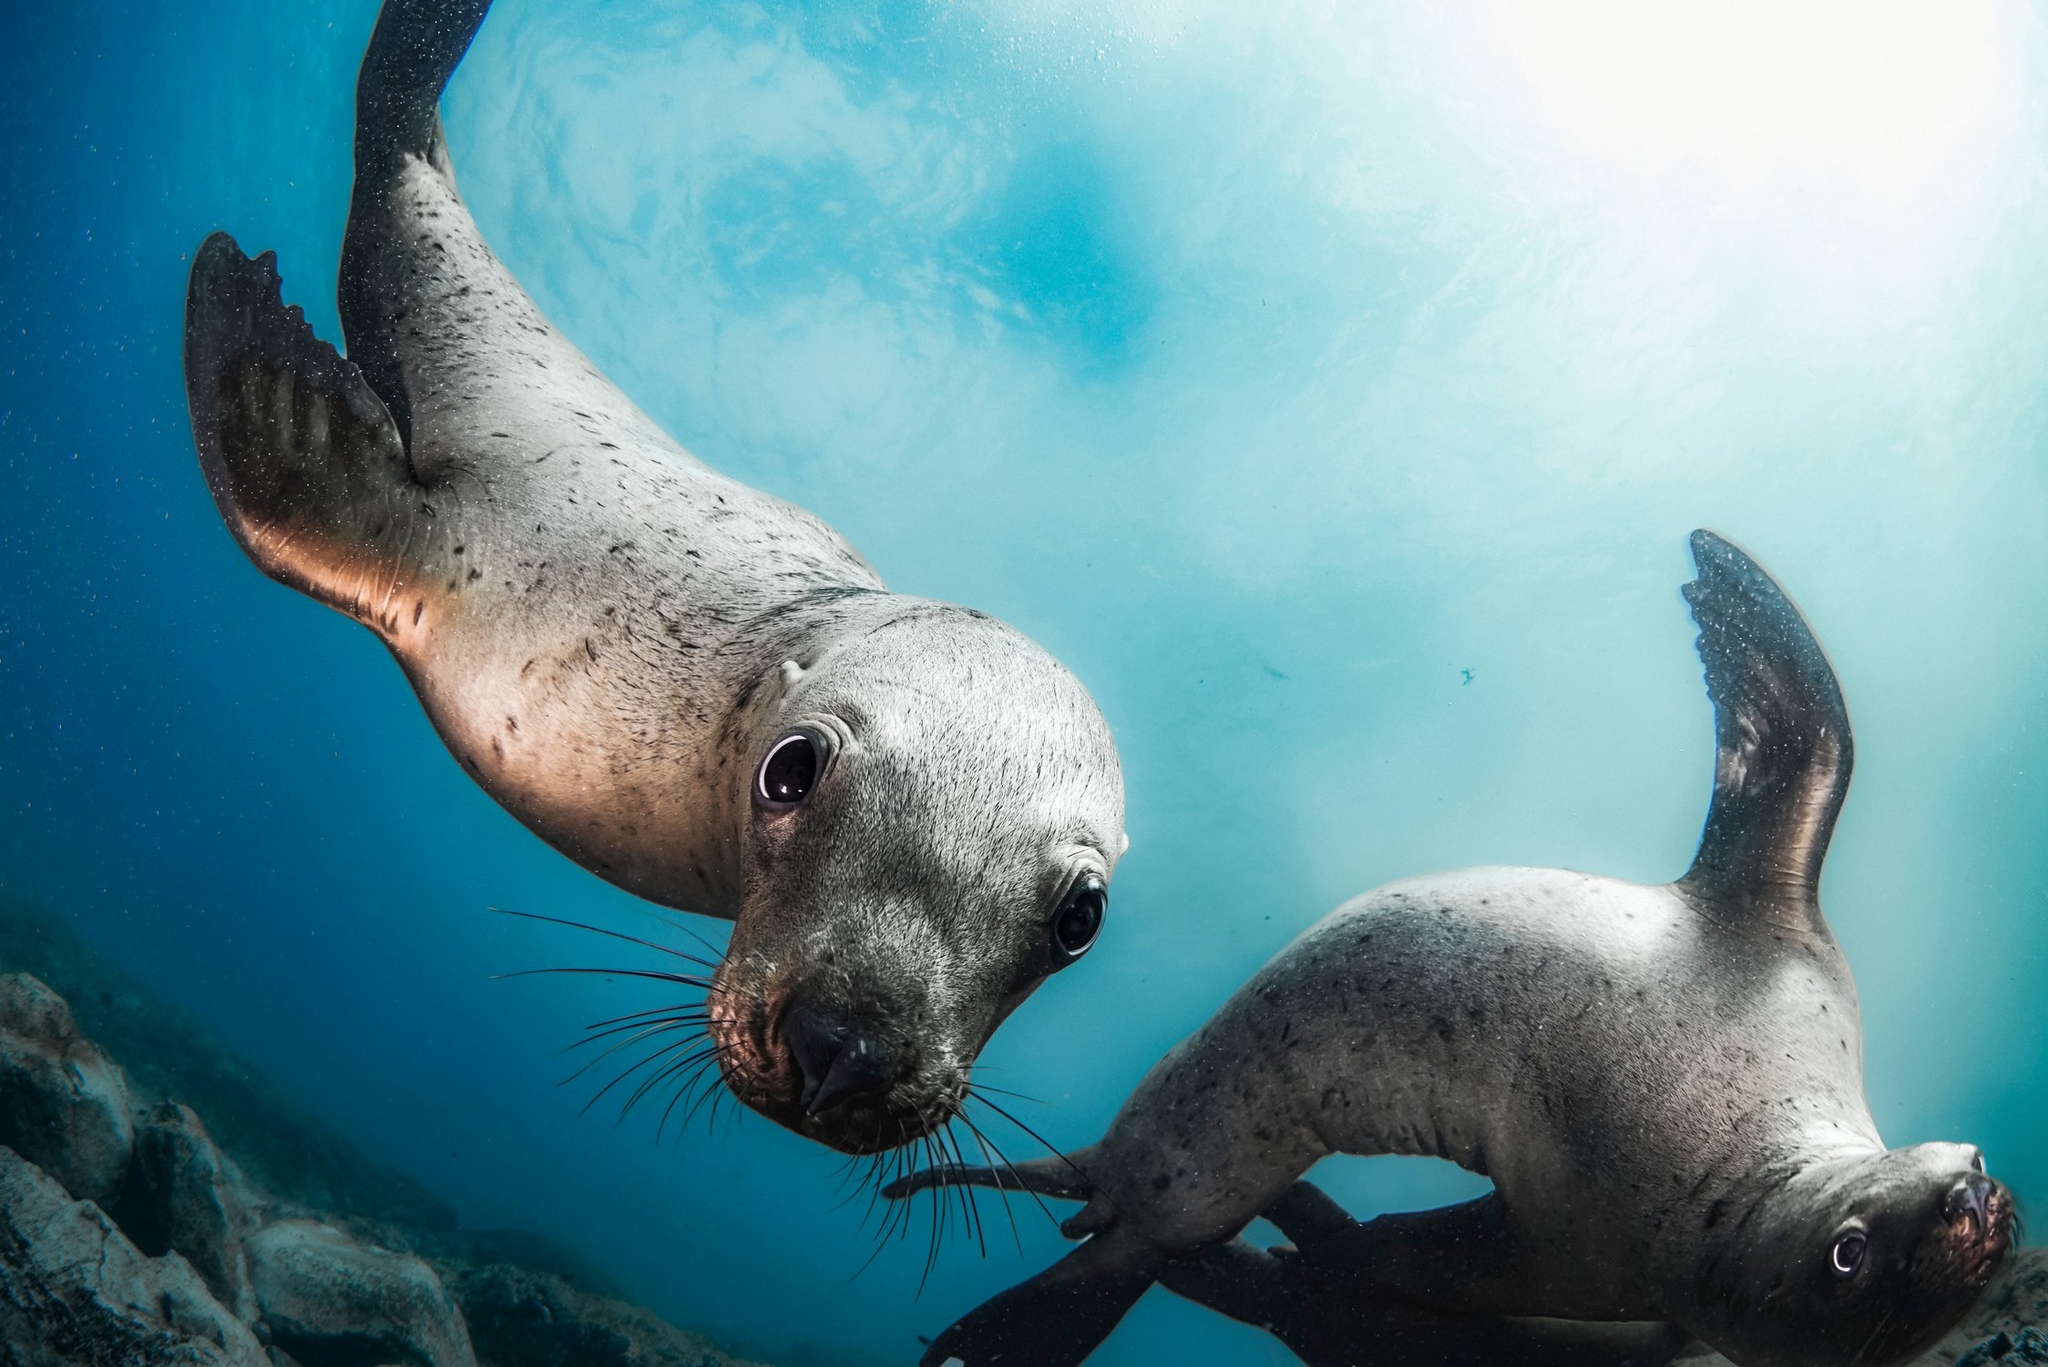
(933, 815)
(1868, 1261)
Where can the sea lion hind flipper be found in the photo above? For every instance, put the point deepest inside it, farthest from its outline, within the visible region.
(414, 49)
(1238, 1279)
(1783, 746)
(1308, 1215)
(1058, 1317)
(302, 457)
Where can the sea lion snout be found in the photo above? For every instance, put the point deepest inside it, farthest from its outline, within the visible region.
(836, 1059)
(1969, 1201)
(836, 1049)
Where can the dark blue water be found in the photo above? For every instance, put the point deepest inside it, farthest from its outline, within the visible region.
(1333, 392)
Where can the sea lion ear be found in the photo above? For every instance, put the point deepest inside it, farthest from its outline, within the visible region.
(789, 673)
(1783, 748)
(1127, 846)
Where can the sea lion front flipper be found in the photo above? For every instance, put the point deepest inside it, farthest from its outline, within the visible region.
(301, 455)
(1784, 750)
(1058, 1317)
(1062, 1177)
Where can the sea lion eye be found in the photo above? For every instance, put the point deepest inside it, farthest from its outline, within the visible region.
(788, 772)
(1848, 1254)
(1079, 921)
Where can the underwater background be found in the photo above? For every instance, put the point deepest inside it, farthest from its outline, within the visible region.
(1331, 388)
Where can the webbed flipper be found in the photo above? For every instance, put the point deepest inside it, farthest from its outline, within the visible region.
(1331, 1299)
(301, 455)
(1784, 750)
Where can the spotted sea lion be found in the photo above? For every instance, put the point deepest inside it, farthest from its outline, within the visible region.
(698, 691)
(1664, 1083)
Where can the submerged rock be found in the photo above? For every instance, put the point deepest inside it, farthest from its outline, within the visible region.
(64, 1105)
(179, 1258)
(329, 1298)
(519, 1318)
(2029, 1349)
(74, 1291)
(183, 1193)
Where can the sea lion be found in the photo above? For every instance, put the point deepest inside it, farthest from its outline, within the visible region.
(1664, 1083)
(698, 691)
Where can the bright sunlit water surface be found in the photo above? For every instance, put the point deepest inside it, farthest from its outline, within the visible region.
(1332, 389)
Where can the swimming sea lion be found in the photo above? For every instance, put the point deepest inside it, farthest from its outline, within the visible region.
(1664, 1083)
(696, 690)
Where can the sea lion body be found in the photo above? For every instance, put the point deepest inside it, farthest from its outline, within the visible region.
(1452, 1016)
(1663, 1082)
(613, 639)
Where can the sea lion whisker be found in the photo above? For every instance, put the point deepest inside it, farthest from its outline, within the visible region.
(1002, 1190)
(683, 1089)
(614, 934)
(1003, 1184)
(651, 974)
(893, 1213)
(659, 914)
(679, 1007)
(656, 1078)
(698, 1098)
(657, 1054)
(590, 1063)
(1001, 1091)
(941, 1211)
(1040, 1139)
(967, 1196)
(657, 1023)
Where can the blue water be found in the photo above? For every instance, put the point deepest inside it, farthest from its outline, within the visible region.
(1331, 390)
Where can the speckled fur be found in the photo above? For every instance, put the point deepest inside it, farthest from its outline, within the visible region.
(608, 634)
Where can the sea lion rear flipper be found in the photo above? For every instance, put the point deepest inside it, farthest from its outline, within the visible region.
(303, 460)
(1237, 1279)
(414, 49)
(1783, 742)
(1058, 1317)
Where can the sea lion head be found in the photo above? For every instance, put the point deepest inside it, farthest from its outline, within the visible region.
(1862, 1261)
(934, 810)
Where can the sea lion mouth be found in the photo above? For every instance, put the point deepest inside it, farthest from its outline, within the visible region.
(845, 1079)
(1983, 1227)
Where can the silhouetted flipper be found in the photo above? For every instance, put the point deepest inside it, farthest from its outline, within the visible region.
(1315, 1297)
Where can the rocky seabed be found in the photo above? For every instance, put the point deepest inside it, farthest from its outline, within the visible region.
(129, 1239)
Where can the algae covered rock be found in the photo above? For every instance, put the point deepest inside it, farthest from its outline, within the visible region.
(64, 1105)
(75, 1291)
(183, 1193)
(328, 1297)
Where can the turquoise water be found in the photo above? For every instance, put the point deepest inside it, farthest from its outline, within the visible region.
(1331, 390)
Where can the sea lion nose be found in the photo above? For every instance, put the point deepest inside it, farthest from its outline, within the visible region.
(1970, 1199)
(838, 1060)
